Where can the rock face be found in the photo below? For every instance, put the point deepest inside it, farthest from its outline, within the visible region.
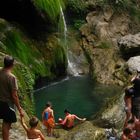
(113, 113)
(130, 45)
(77, 62)
(99, 40)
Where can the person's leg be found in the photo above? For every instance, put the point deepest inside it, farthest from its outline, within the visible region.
(49, 131)
(5, 130)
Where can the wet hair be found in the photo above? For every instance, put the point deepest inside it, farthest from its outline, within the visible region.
(33, 121)
(66, 111)
(48, 104)
(8, 61)
(127, 131)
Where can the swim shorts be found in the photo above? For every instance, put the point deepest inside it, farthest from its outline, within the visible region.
(7, 113)
(50, 123)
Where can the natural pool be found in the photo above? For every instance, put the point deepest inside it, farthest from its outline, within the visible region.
(79, 94)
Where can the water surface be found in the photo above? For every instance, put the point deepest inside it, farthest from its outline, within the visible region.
(79, 94)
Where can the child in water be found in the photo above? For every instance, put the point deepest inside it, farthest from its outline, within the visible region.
(32, 132)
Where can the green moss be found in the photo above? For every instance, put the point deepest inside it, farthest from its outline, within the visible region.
(33, 59)
(50, 7)
(18, 46)
(25, 82)
(78, 23)
(105, 45)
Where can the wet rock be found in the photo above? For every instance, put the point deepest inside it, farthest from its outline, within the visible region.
(86, 131)
(113, 114)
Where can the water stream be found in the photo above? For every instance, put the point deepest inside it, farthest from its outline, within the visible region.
(79, 94)
(71, 69)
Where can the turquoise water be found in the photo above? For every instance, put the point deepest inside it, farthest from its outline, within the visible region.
(79, 94)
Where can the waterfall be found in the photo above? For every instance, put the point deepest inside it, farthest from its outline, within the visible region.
(71, 68)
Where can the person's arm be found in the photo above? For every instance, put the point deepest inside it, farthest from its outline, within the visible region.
(16, 102)
(41, 136)
(80, 119)
(123, 137)
(23, 124)
(64, 121)
(52, 113)
(14, 88)
(132, 80)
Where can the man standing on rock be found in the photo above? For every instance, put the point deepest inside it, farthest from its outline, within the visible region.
(8, 97)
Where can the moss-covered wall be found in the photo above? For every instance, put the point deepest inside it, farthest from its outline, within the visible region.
(34, 59)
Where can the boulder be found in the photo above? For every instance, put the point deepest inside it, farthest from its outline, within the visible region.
(113, 114)
(130, 45)
(86, 131)
(133, 64)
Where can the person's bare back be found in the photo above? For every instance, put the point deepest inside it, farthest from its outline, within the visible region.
(33, 132)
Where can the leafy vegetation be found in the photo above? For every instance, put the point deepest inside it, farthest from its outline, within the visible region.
(25, 83)
(78, 23)
(51, 7)
(19, 48)
(78, 6)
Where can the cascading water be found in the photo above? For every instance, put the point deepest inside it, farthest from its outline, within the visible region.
(71, 69)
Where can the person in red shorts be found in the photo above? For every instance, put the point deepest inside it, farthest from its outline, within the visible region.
(48, 119)
(68, 122)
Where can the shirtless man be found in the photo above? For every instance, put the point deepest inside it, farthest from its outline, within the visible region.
(68, 122)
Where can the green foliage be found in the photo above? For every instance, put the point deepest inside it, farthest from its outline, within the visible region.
(23, 51)
(78, 23)
(25, 83)
(16, 47)
(59, 55)
(50, 7)
(78, 6)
